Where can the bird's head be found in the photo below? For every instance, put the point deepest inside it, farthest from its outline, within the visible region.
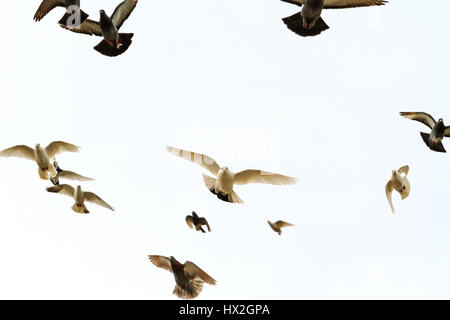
(224, 169)
(103, 14)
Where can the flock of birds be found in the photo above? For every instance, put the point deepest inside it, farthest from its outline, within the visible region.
(189, 277)
(307, 22)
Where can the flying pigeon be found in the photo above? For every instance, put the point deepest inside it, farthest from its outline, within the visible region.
(277, 226)
(41, 155)
(195, 221)
(400, 183)
(65, 174)
(73, 17)
(222, 187)
(113, 43)
(438, 129)
(188, 277)
(308, 22)
(80, 197)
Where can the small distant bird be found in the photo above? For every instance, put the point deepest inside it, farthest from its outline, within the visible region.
(80, 197)
(277, 226)
(438, 129)
(41, 155)
(188, 277)
(114, 43)
(400, 183)
(195, 221)
(65, 174)
(222, 187)
(309, 22)
(74, 15)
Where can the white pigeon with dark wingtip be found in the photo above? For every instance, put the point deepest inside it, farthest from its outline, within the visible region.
(438, 129)
(222, 186)
(80, 197)
(73, 17)
(113, 43)
(308, 22)
(41, 155)
(400, 183)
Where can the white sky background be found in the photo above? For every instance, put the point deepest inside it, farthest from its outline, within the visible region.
(228, 79)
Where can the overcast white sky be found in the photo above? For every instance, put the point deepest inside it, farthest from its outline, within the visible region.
(228, 79)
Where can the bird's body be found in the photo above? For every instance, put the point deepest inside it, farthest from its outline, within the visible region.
(113, 43)
(438, 129)
(195, 221)
(223, 185)
(73, 17)
(308, 22)
(278, 225)
(189, 278)
(41, 155)
(400, 183)
(80, 197)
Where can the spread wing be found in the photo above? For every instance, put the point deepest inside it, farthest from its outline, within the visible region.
(62, 189)
(258, 176)
(161, 262)
(297, 2)
(88, 27)
(20, 151)
(57, 147)
(340, 4)
(47, 6)
(92, 197)
(122, 12)
(423, 117)
(447, 132)
(73, 176)
(282, 224)
(205, 223)
(195, 272)
(404, 169)
(190, 222)
(389, 189)
(206, 162)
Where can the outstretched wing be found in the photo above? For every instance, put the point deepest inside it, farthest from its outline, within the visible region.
(206, 162)
(47, 6)
(282, 224)
(423, 117)
(404, 169)
(122, 12)
(190, 222)
(92, 197)
(447, 132)
(21, 151)
(88, 27)
(258, 176)
(205, 223)
(195, 272)
(62, 189)
(297, 2)
(389, 189)
(161, 262)
(73, 176)
(57, 147)
(340, 4)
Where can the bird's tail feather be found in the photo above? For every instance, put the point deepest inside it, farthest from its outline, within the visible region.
(438, 147)
(81, 210)
(295, 24)
(43, 174)
(191, 291)
(105, 48)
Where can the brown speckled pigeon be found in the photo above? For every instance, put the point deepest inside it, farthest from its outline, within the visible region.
(188, 277)
(113, 43)
(438, 129)
(309, 22)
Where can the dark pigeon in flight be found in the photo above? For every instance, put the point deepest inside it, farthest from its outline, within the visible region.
(113, 43)
(309, 22)
(438, 129)
(73, 17)
(195, 221)
(188, 277)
